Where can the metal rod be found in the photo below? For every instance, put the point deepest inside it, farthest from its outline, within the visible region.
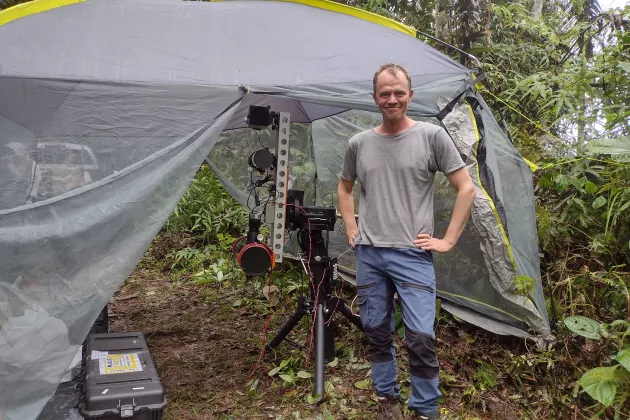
(319, 352)
(446, 44)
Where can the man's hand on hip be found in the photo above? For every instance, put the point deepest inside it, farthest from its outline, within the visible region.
(351, 236)
(428, 243)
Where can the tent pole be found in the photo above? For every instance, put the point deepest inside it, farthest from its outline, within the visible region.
(446, 44)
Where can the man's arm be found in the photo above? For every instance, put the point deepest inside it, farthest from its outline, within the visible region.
(346, 208)
(461, 181)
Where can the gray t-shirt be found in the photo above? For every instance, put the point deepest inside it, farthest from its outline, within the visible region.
(396, 174)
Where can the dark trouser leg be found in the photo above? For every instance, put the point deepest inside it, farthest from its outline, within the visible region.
(375, 296)
(414, 276)
(424, 371)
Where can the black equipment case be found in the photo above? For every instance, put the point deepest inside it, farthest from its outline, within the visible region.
(121, 379)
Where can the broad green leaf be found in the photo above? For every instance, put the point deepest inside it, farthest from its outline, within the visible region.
(333, 363)
(287, 378)
(274, 371)
(304, 374)
(364, 384)
(581, 325)
(591, 188)
(601, 384)
(618, 148)
(237, 303)
(625, 65)
(599, 202)
(623, 357)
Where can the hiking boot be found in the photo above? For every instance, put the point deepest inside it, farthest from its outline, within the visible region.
(388, 409)
(417, 415)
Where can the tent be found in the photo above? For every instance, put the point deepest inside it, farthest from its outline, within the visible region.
(109, 107)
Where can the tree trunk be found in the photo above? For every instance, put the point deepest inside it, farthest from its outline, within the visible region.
(537, 8)
(438, 20)
(581, 122)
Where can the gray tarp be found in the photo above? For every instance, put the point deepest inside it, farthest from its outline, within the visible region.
(107, 109)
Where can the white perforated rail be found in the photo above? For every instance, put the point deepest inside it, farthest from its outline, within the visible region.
(282, 178)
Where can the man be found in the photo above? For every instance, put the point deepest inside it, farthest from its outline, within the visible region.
(395, 164)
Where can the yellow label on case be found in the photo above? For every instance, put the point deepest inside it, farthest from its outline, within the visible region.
(120, 363)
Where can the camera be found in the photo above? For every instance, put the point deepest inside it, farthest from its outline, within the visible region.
(261, 117)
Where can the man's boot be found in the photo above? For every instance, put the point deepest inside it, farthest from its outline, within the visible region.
(417, 415)
(389, 409)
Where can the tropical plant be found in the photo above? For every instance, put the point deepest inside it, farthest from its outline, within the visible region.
(207, 209)
(610, 385)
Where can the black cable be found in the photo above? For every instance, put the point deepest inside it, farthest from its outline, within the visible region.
(248, 197)
(261, 143)
(328, 193)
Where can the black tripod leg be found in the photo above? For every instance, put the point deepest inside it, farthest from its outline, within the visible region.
(319, 352)
(347, 312)
(288, 326)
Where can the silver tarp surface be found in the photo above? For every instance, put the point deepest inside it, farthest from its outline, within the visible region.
(108, 108)
(91, 209)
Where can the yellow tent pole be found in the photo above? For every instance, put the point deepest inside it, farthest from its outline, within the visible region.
(359, 13)
(30, 8)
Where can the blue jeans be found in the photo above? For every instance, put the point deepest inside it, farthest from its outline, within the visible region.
(409, 271)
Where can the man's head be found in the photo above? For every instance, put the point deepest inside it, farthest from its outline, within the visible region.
(392, 91)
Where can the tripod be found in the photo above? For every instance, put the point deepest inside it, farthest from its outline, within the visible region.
(321, 304)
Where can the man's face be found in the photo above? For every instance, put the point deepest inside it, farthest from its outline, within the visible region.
(392, 95)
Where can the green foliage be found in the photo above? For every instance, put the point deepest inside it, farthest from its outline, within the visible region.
(207, 209)
(220, 271)
(185, 256)
(555, 88)
(584, 326)
(585, 207)
(607, 384)
(230, 154)
(524, 285)
(290, 371)
(617, 148)
(601, 383)
(485, 377)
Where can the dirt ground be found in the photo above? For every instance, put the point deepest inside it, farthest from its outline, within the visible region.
(205, 349)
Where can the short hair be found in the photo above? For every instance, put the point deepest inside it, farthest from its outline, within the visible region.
(393, 69)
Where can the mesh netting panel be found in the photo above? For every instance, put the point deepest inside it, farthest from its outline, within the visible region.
(519, 207)
(229, 161)
(61, 135)
(89, 174)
